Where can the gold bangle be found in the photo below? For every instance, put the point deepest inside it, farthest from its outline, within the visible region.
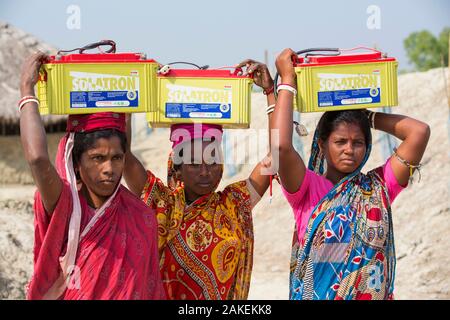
(410, 166)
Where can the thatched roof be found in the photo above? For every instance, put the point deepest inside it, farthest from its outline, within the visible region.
(15, 47)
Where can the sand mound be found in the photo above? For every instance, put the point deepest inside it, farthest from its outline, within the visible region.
(15, 46)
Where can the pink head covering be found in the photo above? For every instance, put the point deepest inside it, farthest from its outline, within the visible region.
(180, 133)
(185, 132)
(96, 121)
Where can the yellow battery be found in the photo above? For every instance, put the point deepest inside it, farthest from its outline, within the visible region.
(344, 82)
(202, 96)
(90, 83)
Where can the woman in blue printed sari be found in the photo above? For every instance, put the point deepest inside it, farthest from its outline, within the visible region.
(343, 246)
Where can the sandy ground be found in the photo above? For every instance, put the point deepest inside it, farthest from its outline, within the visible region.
(16, 240)
(421, 212)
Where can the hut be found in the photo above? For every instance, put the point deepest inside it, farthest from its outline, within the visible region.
(15, 47)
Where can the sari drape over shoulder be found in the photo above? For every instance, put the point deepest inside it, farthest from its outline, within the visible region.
(348, 249)
(83, 253)
(206, 247)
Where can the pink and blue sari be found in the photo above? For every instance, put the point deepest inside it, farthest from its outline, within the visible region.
(348, 250)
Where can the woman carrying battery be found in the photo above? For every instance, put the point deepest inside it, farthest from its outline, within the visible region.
(343, 245)
(93, 238)
(205, 237)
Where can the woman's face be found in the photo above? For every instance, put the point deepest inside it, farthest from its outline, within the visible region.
(203, 172)
(345, 148)
(101, 167)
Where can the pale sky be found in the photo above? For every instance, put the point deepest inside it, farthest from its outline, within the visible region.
(220, 33)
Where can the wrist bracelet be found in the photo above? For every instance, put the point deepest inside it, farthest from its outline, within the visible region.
(269, 91)
(25, 100)
(270, 109)
(410, 166)
(287, 87)
(372, 119)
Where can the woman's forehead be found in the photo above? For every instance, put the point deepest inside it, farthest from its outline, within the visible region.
(197, 152)
(199, 145)
(348, 130)
(111, 143)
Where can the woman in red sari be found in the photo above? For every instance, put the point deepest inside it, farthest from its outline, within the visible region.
(205, 237)
(93, 238)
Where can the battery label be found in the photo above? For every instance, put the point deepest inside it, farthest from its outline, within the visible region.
(94, 90)
(348, 89)
(349, 97)
(196, 102)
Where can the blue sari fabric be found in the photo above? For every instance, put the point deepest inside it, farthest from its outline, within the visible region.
(348, 250)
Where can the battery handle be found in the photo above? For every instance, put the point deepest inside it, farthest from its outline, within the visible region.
(90, 46)
(110, 43)
(309, 52)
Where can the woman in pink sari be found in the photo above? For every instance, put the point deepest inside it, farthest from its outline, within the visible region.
(93, 238)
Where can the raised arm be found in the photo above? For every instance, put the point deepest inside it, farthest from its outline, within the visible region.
(291, 166)
(33, 137)
(259, 177)
(134, 172)
(414, 135)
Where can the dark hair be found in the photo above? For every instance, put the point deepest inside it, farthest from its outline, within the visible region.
(84, 141)
(177, 167)
(331, 119)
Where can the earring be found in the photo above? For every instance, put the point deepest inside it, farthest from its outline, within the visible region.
(322, 163)
(325, 166)
(318, 162)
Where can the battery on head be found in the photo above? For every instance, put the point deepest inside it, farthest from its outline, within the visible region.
(209, 96)
(345, 81)
(89, 83)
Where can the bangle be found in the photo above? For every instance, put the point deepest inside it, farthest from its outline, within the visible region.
(410, 166)
(372, 119)
(269, 91)
(25, 100)
(270, 109)
(287, 87)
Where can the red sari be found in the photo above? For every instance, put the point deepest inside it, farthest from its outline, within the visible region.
(83, 253)
(116, 258)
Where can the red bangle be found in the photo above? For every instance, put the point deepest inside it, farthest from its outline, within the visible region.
(269, 91)
(25, 98)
